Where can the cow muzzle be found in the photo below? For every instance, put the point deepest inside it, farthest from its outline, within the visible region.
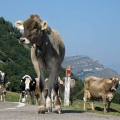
(113, 89)
(27, 89)
(24, 41)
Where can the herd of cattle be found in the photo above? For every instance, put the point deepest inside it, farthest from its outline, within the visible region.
(94, 87)
(47, 53)
(28, 87)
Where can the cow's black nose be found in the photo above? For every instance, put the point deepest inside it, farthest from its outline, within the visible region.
(22, 40)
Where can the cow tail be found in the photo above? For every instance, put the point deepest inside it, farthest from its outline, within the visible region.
(79, 93)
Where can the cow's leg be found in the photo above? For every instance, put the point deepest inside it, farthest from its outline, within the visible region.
(85, 99)
(32, 97)
(48, 99)
(53, 83)
(71, 99)
(109, 102)
(4, 97)
(20, 97)
(57, 99)
(35, 60)
(104, 103)
(39, 65)
(1, 98)
(92, 105)
(42, 107)
(52, 97)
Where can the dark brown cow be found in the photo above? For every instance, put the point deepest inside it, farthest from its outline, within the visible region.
(47, 52)
(99, 88)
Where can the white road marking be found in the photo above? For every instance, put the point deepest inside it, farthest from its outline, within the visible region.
(15, 107)
(20, 105)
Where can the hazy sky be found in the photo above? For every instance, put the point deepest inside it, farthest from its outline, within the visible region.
(88, 27)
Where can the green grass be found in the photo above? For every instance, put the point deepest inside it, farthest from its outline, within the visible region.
(77, 105)
(12, 96)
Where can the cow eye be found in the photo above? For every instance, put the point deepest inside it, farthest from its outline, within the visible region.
(34, 27)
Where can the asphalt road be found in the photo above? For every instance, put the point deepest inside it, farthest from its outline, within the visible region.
(21, 111)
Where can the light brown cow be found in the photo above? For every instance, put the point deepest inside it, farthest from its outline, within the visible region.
(3, 91)
(47, 52)
(99, 88)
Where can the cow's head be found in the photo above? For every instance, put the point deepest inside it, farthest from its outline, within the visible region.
(115, 83)
(2, 77)
(33, 29)
(27, 83)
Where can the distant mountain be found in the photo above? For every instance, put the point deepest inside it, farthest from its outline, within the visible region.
(83, 66)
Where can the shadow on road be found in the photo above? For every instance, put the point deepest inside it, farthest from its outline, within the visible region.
(110, 110)
(71, 111)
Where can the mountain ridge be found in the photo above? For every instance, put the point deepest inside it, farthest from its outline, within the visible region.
(83, 65)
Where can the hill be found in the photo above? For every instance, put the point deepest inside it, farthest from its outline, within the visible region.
(83, 66)
(15, 59)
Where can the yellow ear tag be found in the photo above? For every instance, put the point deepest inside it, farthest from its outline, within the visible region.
(44, 27)
(21, 80)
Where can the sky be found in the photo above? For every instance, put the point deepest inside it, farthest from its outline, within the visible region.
(87, 27)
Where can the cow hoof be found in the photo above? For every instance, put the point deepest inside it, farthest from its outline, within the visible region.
(49, 110)
(41, 111)
(58, 111)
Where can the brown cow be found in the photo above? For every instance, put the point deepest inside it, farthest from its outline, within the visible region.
(99, 88)
(3, 91)
(47, 52)
(3, 85)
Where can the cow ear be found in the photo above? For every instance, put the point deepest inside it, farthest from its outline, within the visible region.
(19, 25)
(108, 81)
(44, 25)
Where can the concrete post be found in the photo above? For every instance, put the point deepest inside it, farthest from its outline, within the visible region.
(67, 86)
